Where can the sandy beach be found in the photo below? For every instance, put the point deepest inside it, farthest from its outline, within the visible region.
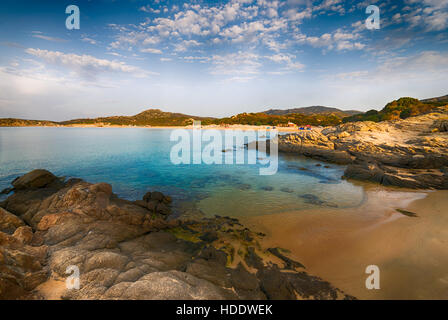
(215, 127)
(338, 244)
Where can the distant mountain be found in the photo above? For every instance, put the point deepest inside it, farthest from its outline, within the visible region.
(13, 122)
(313, 110)
(441, 101)
(150, 117)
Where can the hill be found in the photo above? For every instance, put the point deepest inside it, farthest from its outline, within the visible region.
(150, 117)
(13, 122)
(441, 101)
(313, 110)
(400, 109)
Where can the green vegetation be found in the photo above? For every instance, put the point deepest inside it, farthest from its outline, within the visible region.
(151, 117)
(263, 119)
(399, 109)
(12, 122)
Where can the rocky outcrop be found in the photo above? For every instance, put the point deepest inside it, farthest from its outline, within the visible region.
(410, 153)
(130, 250)
(392, 176)
(315, 145)
(35, 179)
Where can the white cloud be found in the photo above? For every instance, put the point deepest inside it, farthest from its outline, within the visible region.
(48, 38)
(151, 50)
(432, 15)
(85, 66)
(339, 40)
(185, 44)
(89, 40)
(288, 61)
(241, 63)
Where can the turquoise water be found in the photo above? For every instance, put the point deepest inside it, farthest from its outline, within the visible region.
(136, 160)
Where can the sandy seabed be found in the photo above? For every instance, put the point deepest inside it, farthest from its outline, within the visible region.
(338, 244)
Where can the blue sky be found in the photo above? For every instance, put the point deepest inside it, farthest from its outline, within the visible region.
(217, 58)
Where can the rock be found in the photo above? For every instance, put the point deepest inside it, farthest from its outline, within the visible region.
(441, 125)
(152, 205)
(312, 199)
(314, 145)
(105, 259)
(141, 203)
(102, 187)
(209, 236)
(162, 208)
(24, 234)
(407, 213)
(147, 196)
(35, 179)
(368, 171)
(244, 186)
(174, 285)
(253, 260)
(9, 222)
(157, 196)
(343, 134)
(290, 264)
(405, 178)
(7, 191)
(32, 280)
(274, 285)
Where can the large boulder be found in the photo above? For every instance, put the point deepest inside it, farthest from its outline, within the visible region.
(441, 125)
(398, 177)
(9, 222)
(38, 178)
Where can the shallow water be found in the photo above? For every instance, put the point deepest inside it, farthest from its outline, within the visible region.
(135, 160)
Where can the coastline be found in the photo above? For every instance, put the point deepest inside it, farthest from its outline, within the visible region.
(215, 127)
(338, 244)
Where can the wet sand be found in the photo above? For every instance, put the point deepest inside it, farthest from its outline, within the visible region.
(338, 244)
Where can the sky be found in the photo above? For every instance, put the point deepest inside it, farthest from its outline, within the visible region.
(217, 58)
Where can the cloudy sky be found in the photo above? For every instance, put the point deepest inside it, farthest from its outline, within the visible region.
(217, 58)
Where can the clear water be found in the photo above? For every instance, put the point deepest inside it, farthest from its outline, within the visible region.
(136, 160)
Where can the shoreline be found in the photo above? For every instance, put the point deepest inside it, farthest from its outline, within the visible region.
(216, 127)
(338, 245)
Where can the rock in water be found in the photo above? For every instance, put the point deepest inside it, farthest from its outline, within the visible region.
(38, 178)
